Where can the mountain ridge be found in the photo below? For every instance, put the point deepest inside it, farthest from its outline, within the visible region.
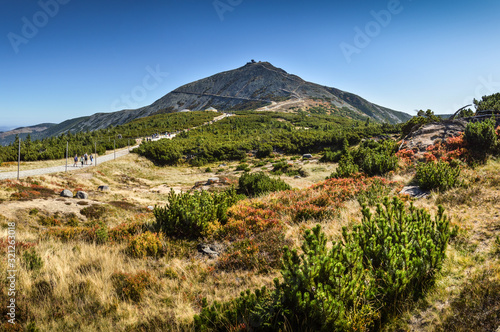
(254, 85)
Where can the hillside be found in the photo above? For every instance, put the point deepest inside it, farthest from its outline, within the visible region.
(251, 86)
(8, 136)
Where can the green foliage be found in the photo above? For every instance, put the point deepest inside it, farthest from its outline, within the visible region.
(487, 103)
(243, 167)
(374, 158)
(371, 157)
(345, 169)
(190, 215)
(164, 153)
(384, 262)
(101, 233)
(255, 184)
(233, 137)
(32, 260)
(418, 121)
(146, 244)
(441, 175)
(480, 137)
(264, 151)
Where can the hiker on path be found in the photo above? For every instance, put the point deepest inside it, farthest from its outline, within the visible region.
(81, 160)
(75, 160)
(91, 159)
(86, 156)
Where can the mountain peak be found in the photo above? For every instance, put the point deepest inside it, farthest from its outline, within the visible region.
(254, 85)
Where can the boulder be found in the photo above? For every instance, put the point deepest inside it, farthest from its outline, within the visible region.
(67, 193)
(82, 195)
(103, 188)
(307, 156)
(414, 191)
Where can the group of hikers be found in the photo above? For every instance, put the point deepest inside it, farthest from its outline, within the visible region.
(83, 159)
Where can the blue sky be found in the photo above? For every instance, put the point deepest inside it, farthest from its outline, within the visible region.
(62, 59)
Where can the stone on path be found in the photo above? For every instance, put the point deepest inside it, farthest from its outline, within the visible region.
(103, 188)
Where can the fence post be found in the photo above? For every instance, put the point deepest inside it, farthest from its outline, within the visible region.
(19, 159)
(67, 144)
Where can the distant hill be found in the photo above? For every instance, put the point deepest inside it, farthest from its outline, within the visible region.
(253, 86)
(9, 136)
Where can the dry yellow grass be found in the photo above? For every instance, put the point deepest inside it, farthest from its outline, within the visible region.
(74, 289)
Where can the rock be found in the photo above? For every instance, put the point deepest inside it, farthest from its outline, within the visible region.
(103, 188)
(307, 156)
(210, 250)
(222, 165)
(82, 195)
(151, 208)
(414, 191)
(297, 177)
(212, 180)
(66, 193)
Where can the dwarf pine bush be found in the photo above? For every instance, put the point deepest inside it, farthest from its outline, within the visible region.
(392, 256)
(255, 184)
(189, 215)
(441, 175)
(345, 169)
(480, 136)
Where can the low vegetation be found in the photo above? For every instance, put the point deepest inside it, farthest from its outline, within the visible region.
(339, 254)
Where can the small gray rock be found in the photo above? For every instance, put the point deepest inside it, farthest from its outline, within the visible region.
(151, 208)
(307, 156)
(66, 193)
(103, 188)
(207, 250)
(297, 177)
(82, 195)
(415, 192)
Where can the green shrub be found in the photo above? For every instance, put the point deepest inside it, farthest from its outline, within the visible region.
(264, 151)
(189, 215)
(101, 233)
(144, 245)
(480, 137)
(331, 156)
(345, 169)
(389, 259)
(441, 175)
(243, 167)
(32, 260)
(378, 163)
(259, 183)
